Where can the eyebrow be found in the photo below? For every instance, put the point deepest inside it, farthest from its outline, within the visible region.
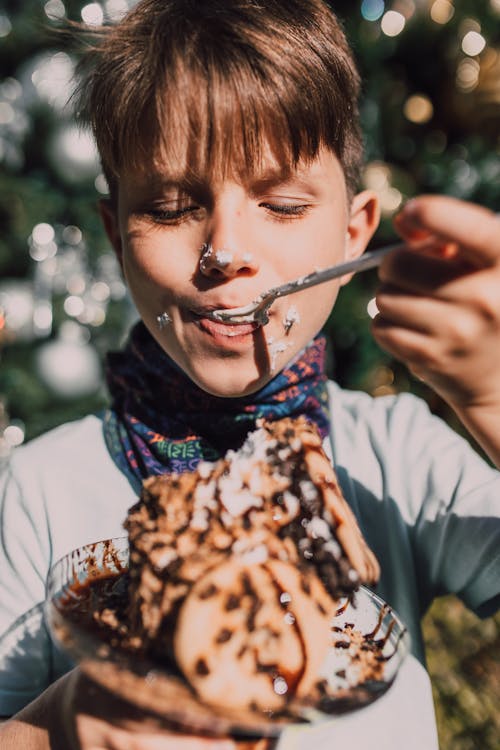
(286, 179)
(156, 183)
(161, 180)
(268, 178)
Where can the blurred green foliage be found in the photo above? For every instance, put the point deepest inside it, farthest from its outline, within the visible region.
(463, 656)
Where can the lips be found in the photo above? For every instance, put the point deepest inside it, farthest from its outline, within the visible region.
(217, 329)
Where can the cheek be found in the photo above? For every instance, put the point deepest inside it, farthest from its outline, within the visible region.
(302, 316)
(155, 270)
(319, 300)
(319, 253)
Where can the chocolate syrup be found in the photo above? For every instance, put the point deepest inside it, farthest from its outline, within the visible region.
(100, 605)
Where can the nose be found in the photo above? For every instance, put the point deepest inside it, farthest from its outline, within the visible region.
(226, 262)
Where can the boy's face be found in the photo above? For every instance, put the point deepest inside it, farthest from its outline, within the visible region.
(263, 233)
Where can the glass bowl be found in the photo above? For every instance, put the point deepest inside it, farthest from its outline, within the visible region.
(164, 693)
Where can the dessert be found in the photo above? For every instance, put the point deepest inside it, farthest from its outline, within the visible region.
(237, 568)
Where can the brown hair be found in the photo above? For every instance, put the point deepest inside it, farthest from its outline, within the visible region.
(206, 84)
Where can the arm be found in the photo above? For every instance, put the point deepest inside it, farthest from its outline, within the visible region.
(34, 726)
(25, 658)
(439, 308)
(76, 713)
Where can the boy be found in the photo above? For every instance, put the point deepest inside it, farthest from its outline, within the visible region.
(228, 133)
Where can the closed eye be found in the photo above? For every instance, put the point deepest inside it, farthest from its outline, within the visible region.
(286, 210)
(174, 215)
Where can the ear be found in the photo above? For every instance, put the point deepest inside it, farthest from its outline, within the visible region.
(109, 216)
(363, 221)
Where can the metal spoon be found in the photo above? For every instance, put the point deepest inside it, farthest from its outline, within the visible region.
(257, 311)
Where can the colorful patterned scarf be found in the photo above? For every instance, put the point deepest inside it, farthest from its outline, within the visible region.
(161, 422)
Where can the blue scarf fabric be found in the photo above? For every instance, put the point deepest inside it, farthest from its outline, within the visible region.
(161, 422)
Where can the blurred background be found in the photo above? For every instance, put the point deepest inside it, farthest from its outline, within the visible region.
(431, 114)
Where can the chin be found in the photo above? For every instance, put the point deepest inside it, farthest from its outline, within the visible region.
(230, 385)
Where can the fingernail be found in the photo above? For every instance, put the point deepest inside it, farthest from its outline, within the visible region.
(409, 207)
(407, 221)
(407, 212)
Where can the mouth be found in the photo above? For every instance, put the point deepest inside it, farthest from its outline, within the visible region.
(222, 332)
(217, 329)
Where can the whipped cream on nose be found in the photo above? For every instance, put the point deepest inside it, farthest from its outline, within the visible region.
(223, 258)
(220, 258)
(211, 257)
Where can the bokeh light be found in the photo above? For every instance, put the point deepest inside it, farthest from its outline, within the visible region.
(418, 108)
(372, 308)
(73, 305)
(473, 43)
(43, 233)
(70, 368)
(14, 123)
(73, 153)
(467, 74)
(16, 304)
(392, 23)
(54, 9)
(14, 433)
(53, 78)
(372, 10)
(92, 14)
(7, 113)
(10, 89)
(378, 177)
(101, 184)
(442, 11)
(115, 9)
(42, 318)
(5, 25)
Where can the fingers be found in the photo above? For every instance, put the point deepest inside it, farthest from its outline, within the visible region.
(459, 321)
(410, 299)
(96, 733)
(417, 272)
(474, 228)
(437, 308)
(101, 720)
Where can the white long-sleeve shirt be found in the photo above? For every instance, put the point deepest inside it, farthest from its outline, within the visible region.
(428, 506)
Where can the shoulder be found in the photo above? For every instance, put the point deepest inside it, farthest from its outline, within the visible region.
(66, 482)
(400, 425)
(69, 457)
(68, 450)
(395, 444)
(388, 417)
(83, 432)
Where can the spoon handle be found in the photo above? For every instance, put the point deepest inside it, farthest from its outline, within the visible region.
(256, 311)
(366, 261)
(363, 263)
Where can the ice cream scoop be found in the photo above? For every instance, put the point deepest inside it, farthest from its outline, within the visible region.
(236, 568)
(250, 636)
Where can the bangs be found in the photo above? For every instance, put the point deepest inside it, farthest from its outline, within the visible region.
(224, 120)
(217, 87)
